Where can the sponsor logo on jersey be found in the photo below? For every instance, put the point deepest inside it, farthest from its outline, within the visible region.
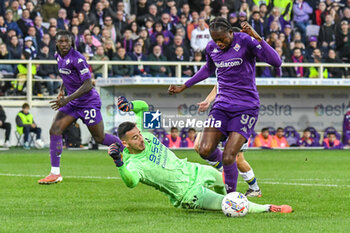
(84, 71)
(68, 61)
(65, 71)
(215, 50)
(229, 63)
(258, 46)
(80, 60)
(91, 121)
(237, 47)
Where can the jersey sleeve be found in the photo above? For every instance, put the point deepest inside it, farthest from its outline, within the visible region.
(264, 52)
(82, 68)
(205, 71)
(139, 107)
(346, 122)
(130, 174)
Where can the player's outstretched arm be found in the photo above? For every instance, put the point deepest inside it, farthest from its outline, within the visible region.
(250, 31)
(131, 179)
(264, 52)
(137, 106)
(173, 89)
(140, 107)
(58, 103)
(204, 105)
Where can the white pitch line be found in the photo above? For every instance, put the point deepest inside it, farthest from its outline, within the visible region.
(118, 178)
(303, 184)
(301, 179)
(74, 177)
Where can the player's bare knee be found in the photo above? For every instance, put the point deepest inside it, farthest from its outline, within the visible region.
(228, 158)
(204, 151)
(55, 130)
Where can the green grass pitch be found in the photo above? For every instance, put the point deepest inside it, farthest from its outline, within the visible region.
(92, 197)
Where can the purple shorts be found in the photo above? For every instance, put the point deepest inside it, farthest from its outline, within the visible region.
(89, 115)
(242, 122)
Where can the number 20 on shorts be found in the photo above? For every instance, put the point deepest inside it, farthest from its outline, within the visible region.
(90, 114)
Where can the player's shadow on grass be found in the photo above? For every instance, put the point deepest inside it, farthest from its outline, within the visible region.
(195, 211)
(140, 208)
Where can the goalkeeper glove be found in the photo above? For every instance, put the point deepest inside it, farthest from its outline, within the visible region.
(124, 104)
(114, 151)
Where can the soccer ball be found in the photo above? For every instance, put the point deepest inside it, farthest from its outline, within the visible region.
(39, 144)
(235, 204)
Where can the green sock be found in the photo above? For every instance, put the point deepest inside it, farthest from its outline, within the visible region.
(210, 200)
(257, 208)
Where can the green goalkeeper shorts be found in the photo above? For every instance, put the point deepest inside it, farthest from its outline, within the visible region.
(207, 178)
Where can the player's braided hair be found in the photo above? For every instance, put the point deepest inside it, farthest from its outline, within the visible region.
(69, 34)
(220, 24)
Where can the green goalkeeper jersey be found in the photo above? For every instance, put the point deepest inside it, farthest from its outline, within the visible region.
(159, 167)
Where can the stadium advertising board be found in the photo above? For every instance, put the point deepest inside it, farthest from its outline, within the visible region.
(300, 107)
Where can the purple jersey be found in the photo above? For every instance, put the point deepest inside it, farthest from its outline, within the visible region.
(346, 128)
(74, 70)
(235, 70)
(346, 122)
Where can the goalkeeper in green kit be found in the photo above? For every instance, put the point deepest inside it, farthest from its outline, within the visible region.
(145, 159)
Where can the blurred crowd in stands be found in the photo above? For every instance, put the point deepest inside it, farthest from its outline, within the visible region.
(166, 30)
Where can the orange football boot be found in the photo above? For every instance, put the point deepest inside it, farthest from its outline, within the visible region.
(281, 208)
(51, 179)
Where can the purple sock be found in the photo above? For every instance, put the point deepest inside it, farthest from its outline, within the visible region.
(216, 156)
(110, 139)
(231, 176)
(55, 150)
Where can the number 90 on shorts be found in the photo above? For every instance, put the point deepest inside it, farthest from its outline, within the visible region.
(242, 122)
(247, 120)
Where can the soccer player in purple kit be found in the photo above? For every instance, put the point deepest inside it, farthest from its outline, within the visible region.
(346, 127)
(232, 55)
(82, 102)
(244, 168)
